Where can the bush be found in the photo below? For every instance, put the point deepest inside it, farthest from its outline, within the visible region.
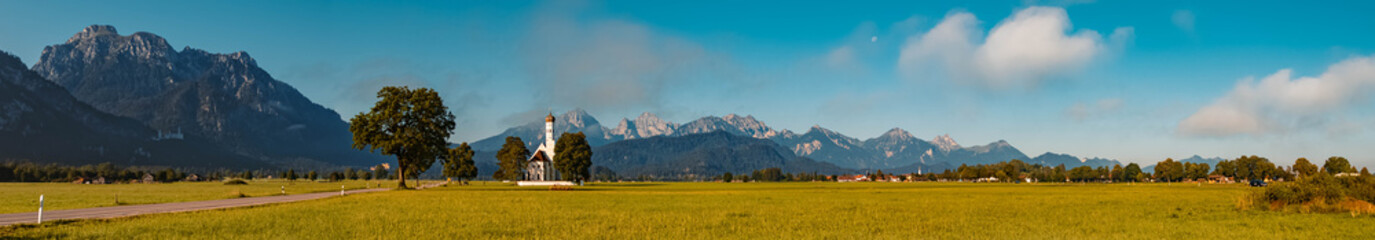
(235, 182)
(1316, 193)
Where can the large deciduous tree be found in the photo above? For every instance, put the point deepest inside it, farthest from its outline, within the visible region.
(459, 163)
(411, 124)
(573, 157)
(1131, 172)
(1335, 165)
(511, 160)
(1305, 168)
(1169, 170)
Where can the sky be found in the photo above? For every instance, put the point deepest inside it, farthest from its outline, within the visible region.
(1137, 81)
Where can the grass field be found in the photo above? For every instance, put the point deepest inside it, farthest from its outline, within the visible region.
(23, 197)
(745, 210)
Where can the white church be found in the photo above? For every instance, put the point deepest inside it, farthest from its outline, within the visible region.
(539, 169)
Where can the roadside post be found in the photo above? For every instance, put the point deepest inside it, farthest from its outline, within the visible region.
(341, 190)
(40, 209)
(283, 190)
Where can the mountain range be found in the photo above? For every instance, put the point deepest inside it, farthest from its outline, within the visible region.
(895, 150)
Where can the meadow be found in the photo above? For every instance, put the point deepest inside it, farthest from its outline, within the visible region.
(23, 197)
(744, 210)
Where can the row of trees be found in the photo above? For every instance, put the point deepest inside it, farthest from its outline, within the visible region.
(774, 175)
(12, 171)
(1244, 168)
(414, 126)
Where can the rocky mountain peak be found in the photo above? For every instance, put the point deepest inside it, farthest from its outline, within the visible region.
(898, 133)
(94, 31)
(648, 117)
(944, 142)
(578, 118)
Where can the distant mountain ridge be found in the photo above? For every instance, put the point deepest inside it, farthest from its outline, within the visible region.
(896, 149)
(701, 156)
(225, 99)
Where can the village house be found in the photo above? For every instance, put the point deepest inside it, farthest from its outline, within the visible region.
(853, 178)
(1215, 178)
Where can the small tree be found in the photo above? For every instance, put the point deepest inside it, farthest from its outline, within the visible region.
(413, 125)
(726, 177)
(459, 163)
(312, 175)
(291, 174)
(511, 160)
(573, 157)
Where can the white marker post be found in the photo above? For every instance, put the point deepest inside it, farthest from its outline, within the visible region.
(341, 190)
(283, 190)
(40, 209)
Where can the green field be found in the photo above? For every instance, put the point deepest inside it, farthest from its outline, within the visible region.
(23, 197)
(745, 210)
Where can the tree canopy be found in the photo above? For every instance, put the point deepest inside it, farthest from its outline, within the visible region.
(459, 163)
(573, 157)
(413, 125)
(511, 160)
(1305, 168)
(1169, 170)
(1335, 165)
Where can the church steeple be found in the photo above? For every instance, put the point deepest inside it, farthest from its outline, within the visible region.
(549, 134)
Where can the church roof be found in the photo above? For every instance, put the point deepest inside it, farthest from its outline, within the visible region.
(549, 118)
(539, 157)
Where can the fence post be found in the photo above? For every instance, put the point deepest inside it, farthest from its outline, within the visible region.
(40, 209)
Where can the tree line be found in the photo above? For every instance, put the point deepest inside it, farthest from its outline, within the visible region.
(1239, 169)
(25, 171)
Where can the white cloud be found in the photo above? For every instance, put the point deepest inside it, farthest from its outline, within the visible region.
(1081, 111)
(1032, 45)
(1184, 19)
(1279, 103)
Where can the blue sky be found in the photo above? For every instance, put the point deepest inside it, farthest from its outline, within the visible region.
(1138, 81)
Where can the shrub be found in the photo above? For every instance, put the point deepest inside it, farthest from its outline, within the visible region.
(235, 182)
(1319, 192)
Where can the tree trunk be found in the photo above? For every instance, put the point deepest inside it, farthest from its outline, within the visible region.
(400, 173)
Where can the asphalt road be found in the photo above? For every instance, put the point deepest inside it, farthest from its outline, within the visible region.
(134, 210)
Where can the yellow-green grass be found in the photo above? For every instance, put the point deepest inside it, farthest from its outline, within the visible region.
(23, 197)
(745, 210)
